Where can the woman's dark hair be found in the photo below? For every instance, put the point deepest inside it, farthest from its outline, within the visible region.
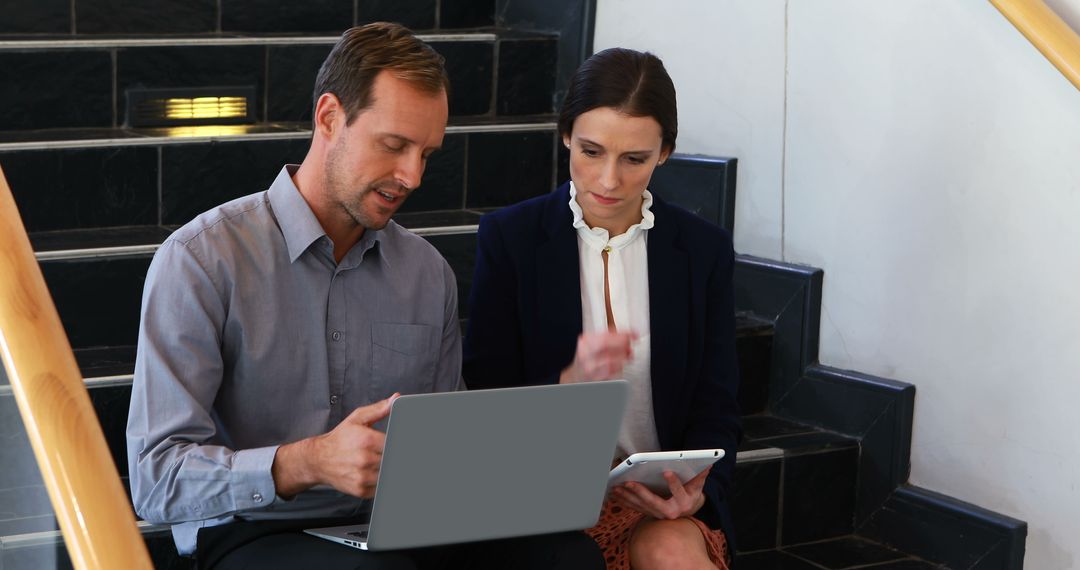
(632, 82)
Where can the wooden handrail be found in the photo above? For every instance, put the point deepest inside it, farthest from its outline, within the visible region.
(83, 483)
(1047, 31)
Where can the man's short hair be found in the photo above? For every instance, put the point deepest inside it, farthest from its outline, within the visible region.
(362, 52)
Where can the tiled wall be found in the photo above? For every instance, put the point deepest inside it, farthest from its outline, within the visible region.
(170, 184)
(80, 188)
(243, 16)
(86, 87)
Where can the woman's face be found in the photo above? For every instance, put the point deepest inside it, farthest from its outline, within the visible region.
(612, 157)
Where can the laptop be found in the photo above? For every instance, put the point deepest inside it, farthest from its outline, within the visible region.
(488, 464)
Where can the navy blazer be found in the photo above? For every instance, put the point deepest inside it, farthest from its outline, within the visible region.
(525, 318)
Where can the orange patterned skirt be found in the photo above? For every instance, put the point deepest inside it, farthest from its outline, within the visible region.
(612, 532)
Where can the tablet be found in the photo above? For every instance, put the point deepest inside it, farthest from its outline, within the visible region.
(648, 468)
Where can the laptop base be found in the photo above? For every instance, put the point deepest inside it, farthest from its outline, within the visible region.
(349, 535)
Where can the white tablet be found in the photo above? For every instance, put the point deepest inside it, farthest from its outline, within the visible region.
(648, 468)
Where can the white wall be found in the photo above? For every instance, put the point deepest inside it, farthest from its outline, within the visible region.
(931, 167)
(728, 69)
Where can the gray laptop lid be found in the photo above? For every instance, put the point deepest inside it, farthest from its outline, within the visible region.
(487, 464)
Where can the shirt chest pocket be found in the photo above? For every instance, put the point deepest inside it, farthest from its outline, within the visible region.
(403, 357)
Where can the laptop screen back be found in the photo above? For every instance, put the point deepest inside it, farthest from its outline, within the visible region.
(487, 464)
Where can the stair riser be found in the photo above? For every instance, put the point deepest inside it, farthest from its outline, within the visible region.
(208, 16)
(755, 353)
(795, 499)
(170, 184)
(54, 556)
(87, 87)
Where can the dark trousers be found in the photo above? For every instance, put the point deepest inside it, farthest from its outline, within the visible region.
(282, 544)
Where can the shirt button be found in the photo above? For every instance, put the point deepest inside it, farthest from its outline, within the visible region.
(333, 400)
(257, 497)
(336, 336)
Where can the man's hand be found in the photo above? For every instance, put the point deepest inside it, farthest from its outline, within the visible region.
(685, 499)
(347, 458)
(599, 356)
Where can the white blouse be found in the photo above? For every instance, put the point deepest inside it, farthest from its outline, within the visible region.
(628, 276)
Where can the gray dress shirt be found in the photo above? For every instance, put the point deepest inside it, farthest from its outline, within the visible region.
(252, 337)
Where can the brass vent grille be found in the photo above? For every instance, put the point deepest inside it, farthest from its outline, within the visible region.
(190, 107)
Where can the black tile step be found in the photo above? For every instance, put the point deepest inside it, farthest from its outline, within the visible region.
(794, 483)
(844, 553)
(105, 240)
(45, 549)
(56, 19)
(143, 240)
(161, 17)
(750, 324)
(168, 182)
(754, 348)
(87, 81)
(61, 138)
(106, 362)
(12, 42)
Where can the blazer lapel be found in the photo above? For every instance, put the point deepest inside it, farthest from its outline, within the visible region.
(669, 314)
(558, 281)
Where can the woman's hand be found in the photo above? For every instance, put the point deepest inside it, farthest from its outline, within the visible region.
(599, 356)
(686, 499)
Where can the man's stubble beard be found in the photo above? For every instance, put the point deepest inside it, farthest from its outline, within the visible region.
(340, 191)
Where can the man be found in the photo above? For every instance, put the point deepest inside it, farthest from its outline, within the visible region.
(277, 328)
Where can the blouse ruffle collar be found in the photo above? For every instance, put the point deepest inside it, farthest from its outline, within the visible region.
(598, 237)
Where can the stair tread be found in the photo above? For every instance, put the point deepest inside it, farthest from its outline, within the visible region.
(97, 41)
(96, 238)
(120, 136)
(769, 431)
(106, 361)
(841, 553)
(748, 323)
(149, 236)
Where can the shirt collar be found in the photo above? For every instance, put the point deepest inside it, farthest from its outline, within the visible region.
(368, 242)
(598, 237)
(298, 223)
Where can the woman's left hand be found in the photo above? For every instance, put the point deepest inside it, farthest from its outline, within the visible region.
(686, 499)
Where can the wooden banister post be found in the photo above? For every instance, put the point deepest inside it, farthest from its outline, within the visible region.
(83, 484)
(1048, 32)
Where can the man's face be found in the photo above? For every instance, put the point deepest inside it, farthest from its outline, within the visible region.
(377, 161)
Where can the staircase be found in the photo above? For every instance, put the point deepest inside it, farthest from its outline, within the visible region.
(821, 472)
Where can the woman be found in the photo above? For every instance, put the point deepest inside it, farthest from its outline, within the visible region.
(600, 280)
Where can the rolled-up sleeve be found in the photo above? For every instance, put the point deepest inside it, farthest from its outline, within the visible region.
(181, 469)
